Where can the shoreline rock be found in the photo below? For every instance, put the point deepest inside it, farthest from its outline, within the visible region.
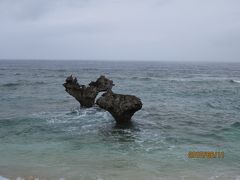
(122, 107)
(86, 95)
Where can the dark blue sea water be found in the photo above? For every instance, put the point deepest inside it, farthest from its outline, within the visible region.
(186, 107)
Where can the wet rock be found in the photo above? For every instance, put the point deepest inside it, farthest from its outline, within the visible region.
(121, 107)
(86, 95)
(102, 84)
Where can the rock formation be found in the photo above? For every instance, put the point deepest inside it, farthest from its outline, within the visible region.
(120, 106)
(86, 95)
(102, 84)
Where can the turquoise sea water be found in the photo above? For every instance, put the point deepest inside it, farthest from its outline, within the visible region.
(186, 107)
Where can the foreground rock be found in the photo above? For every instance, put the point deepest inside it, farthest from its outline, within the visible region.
(122, 107)
(86, 95)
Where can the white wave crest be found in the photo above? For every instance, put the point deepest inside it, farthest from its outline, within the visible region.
(235, 81)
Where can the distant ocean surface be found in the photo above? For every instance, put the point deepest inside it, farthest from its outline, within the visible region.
(186, 107)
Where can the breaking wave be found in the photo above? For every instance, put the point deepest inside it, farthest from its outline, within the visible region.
(234, 81)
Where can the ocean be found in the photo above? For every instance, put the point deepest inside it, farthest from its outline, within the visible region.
(186, 107)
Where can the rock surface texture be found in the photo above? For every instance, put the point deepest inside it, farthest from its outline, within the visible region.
(120, 106)
(86, 95)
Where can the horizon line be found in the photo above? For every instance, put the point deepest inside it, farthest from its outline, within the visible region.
(116, 60)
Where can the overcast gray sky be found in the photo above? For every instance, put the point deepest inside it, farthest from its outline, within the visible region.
(167, 30)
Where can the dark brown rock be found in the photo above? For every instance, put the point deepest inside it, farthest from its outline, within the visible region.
(102, 84)
(86, 95)
(121, 107)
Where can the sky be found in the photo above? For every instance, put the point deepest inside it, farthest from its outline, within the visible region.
(158, 30)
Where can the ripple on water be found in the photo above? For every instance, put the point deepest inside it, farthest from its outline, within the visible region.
(235, 125)
(11, 84)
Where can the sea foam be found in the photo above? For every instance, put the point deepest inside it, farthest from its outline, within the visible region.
(235, 81)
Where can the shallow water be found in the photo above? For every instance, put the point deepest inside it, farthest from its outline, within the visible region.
(186, 107)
